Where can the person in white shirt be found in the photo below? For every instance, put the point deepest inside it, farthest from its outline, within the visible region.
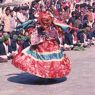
(12, 21)
(20, 17)
(6, 20)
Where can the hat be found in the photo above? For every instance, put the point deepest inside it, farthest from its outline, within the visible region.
(5, 38)
(19, 38)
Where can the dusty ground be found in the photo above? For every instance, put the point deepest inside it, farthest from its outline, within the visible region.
(81, 80)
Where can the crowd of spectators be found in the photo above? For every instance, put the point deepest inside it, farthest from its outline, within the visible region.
(82, 17)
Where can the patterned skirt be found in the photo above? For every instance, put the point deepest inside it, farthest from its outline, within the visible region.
(47, 60)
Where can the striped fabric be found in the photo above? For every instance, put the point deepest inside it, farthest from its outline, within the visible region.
(46, 61)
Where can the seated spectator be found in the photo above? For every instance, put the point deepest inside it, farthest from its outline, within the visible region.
(6, 20)
(89, 35)
(80, 36)
(5, 48)
(69, 39)
(72, 19)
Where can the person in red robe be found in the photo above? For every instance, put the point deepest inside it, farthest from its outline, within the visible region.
(44, 57)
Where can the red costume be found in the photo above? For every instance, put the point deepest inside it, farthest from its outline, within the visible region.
(46, 58)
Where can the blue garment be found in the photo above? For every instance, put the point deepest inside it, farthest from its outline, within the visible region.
(26, 43)
(25, 25)
(89, 35)
(13, 45)
(68, 38)
(80, 36)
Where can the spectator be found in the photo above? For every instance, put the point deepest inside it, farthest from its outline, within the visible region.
(20, 16)
(12, 21)
(69, 38)
(6, 20)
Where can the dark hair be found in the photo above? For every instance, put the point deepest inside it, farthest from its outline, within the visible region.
(25, 7)
(72, 31)
(81, 26)
(31, 11)
(85, 25)
(73, 13)
(16, 9)
(8, 8)
(11, 11)
(66, 8)
(83, 5)
(85, 17)
(77, 6)
(93, 3)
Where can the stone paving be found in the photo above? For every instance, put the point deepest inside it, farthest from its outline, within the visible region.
(81, 80)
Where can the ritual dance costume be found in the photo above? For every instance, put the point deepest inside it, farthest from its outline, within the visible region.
(44, 57)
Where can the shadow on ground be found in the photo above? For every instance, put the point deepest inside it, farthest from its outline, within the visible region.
(24, 78)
